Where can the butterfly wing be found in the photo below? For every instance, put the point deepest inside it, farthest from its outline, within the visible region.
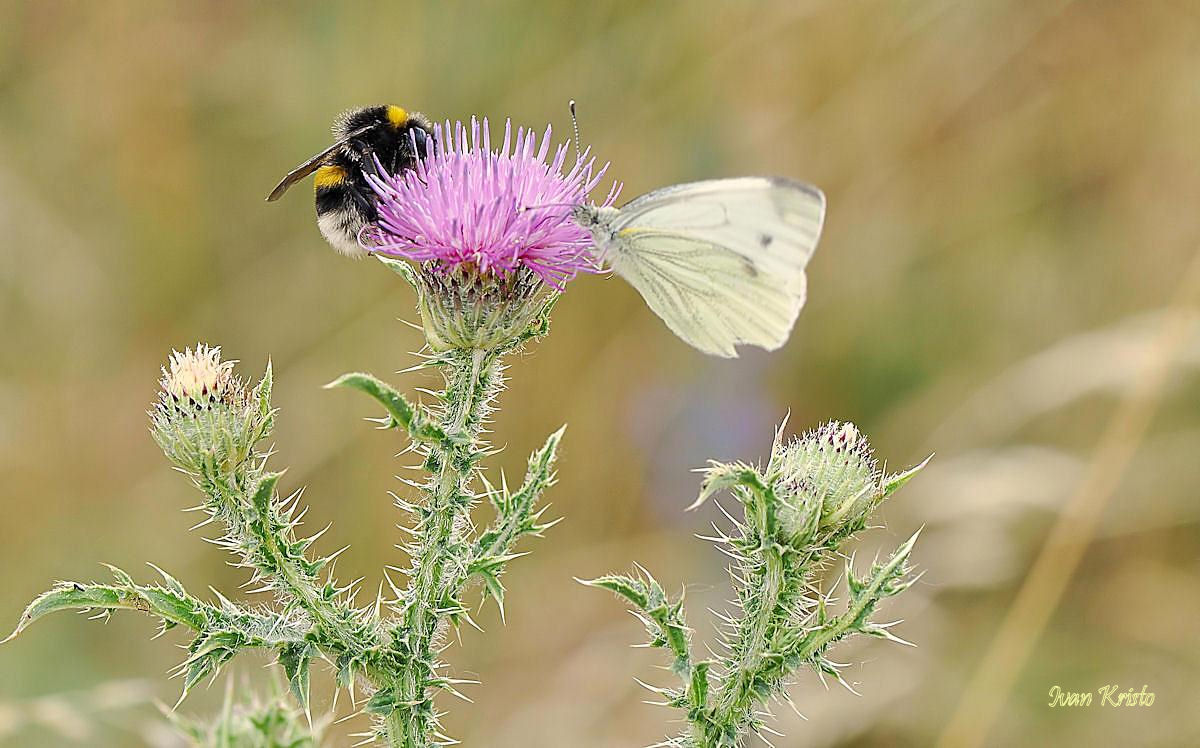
(721, 261)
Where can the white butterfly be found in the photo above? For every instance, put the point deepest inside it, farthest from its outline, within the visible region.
(721, 261)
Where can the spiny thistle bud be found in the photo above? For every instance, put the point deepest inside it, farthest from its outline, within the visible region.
(491, 231)
(828, 483)
(205, 418)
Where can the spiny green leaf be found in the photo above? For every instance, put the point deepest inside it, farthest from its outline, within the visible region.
(207, 654)
(892, 483)
(403, 413)
(383, 702)
(173, 607)
(262, 392)
(347, 669)
(879, 582)
(296, 659)
(121, 576)
(221, 631)
(67, 596)
(172, 583)
(721, 475)
(263, 492)
(489, 564)
(209, 643)
(633, 590)
(516, 517)
(496, 589)
(865, 595)
(540, 461)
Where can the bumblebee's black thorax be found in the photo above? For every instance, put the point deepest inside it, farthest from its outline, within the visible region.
(344, 200)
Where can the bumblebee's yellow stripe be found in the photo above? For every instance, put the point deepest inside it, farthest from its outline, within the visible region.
(329, 176)
(397, 116)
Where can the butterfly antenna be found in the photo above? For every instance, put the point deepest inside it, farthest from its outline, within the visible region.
(575, 127)
(524, 208)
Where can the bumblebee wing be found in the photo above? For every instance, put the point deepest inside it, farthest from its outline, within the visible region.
(311, 165)
(722, 262)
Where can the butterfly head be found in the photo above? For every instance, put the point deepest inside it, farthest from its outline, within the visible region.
(584, 215)
(594, 218)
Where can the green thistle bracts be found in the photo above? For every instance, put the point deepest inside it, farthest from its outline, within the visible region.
(461, 308)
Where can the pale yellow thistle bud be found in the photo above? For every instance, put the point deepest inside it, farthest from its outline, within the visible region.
(200, 377)
(206, 420)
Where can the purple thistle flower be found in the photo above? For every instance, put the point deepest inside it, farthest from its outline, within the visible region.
(466, 206)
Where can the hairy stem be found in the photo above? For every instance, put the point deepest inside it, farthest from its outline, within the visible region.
(735, 697)
(437, 570)
(776, 580)
(770, 589)
(270, 545)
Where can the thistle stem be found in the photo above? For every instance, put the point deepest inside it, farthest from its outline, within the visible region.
(735, 699)
(754, 638)
(437, 572)
(262, 530)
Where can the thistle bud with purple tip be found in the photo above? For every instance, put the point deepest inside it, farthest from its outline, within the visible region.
(828, 483)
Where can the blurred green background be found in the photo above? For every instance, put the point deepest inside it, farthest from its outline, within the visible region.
(1013, 193)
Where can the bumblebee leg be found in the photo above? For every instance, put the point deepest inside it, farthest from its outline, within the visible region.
(365, 156)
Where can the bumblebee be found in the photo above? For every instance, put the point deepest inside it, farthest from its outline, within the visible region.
(345, 202)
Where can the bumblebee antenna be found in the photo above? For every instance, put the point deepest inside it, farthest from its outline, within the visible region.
(575, 127)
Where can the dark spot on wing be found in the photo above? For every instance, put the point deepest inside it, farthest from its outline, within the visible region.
(751, 269)
(764, 240)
